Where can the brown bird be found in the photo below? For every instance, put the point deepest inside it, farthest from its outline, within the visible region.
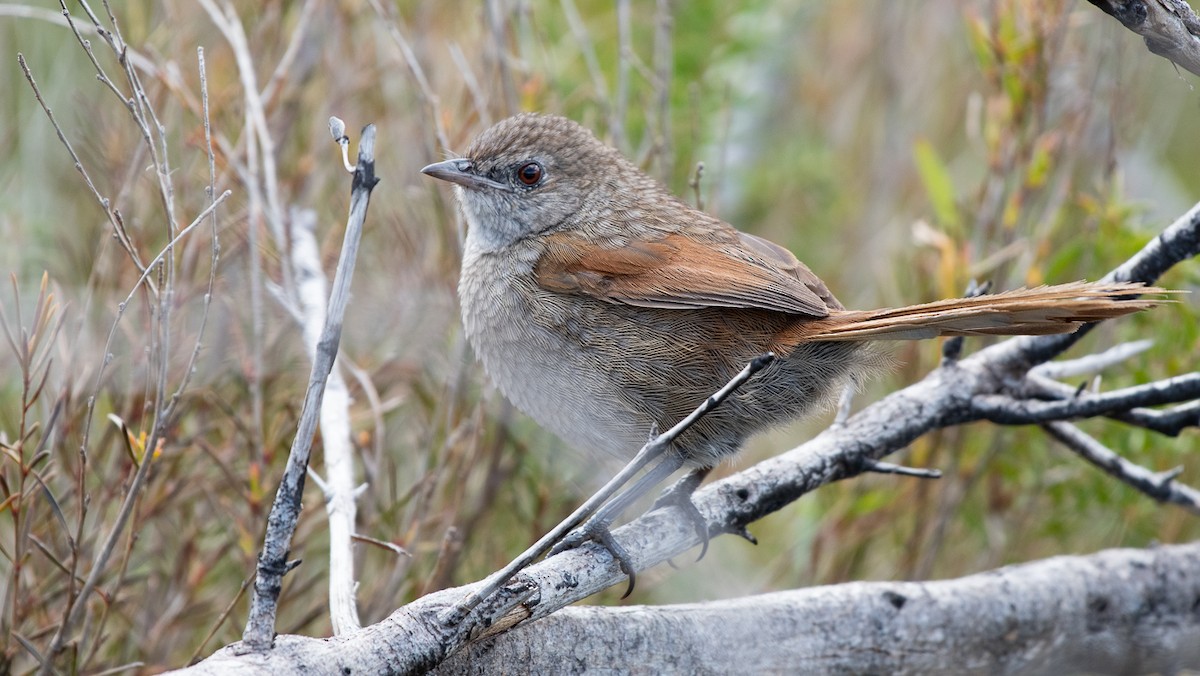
(604, 307)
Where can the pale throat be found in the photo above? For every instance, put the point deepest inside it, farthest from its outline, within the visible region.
(487, 231)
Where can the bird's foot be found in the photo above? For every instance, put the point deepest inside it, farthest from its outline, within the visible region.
(597, 531)
(680, 495)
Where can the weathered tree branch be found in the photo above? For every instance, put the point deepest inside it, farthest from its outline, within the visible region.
(1009, 410)
(1117, 611)
(1170, 27)
(1160, 486)
(1170, 422)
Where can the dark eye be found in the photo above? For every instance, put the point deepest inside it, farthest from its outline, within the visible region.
(529, 173)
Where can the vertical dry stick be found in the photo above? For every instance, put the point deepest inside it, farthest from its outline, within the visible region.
(624, 54)
(663, 67)
(215, 244)
(256, 304)
(335, 427)
(478, 98)
(588, 49)
(261, 187)
(275, 83)
(235, 34)
(495, 19)
(285, 511)
(414, 66)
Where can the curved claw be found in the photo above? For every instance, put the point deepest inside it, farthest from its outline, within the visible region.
(741, 532)
(680, 495)
(605, 538)
(599, 533)
(703, 533)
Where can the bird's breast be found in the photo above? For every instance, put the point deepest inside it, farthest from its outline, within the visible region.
(546, 353)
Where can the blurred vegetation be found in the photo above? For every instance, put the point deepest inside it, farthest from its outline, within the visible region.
(900, 148)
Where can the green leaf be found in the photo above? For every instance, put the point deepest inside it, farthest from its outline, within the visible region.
(938, 186)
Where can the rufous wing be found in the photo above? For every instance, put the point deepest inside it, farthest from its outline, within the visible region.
(683, 272)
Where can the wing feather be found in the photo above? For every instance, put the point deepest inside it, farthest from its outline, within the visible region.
(680, 272)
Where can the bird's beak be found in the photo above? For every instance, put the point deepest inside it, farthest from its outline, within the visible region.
(459, 171)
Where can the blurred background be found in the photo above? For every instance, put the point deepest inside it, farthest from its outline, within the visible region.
(900, 148)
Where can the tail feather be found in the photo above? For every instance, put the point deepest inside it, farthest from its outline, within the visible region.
(1042, 310)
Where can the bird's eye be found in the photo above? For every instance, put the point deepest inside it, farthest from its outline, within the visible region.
(529, 173)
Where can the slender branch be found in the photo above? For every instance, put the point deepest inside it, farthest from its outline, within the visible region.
(214, 246)
(431, 100)
(880, 467)
(1007, 410)
(285, 510)
(1092, 363)
(1170, 421)
(256, 137)
(1160, 486)
(661, 144)
(275, 84)
(335, 427)
(620, 105)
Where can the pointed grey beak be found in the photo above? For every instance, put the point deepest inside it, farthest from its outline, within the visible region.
(459, 171)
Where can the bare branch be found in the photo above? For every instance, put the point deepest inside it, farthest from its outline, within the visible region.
(1111, 612)
(1158, 485)
(1170, 27)
(285, 510)
(880, 467)
(1092, 363)
(335, 427)
(1170, 421)
(1007, 410)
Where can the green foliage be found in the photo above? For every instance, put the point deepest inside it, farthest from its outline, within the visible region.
(935, 177)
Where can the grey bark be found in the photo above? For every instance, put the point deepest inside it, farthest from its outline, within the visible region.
(1170, 28)
(1119, 611)
(1115, 612)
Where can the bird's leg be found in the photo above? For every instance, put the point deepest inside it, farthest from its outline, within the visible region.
(680, 495)
(494, 582)
(596, 528)
(644, 457)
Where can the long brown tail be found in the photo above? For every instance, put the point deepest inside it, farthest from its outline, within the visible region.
(1042, 310)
